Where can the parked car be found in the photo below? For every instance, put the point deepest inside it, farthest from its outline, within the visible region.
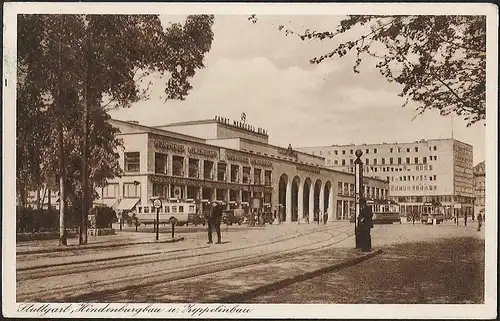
(230, 217)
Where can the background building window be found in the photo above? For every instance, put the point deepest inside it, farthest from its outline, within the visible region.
(160, 163)
(132, 162)
(399, 160)
(131, 190)
(407, 160)
(110, 191)
(416, 160)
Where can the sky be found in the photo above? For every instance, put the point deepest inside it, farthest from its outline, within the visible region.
(257, 69)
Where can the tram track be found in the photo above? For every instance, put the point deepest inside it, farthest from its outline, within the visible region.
(101, 288)
(80, 266)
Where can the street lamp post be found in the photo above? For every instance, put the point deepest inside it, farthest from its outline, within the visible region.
(358, 191)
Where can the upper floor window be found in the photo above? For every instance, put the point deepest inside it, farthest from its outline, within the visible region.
(407, 150)
(131, 190)
(336, 152)
(221, 171)
(435, 147)
(367, 151)
(178, 166)
(416, 149)
(194, 168)
(391, 149)
(375, 150)
(160, 163)
(132, 161)
(110, 191)
(343, 152)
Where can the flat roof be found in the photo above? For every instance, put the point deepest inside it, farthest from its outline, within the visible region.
(154, 130)
(394, 143)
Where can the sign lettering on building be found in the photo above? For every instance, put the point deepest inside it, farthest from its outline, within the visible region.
(237, 158)
(201, 152)
(308, 169)
(261, 162)
(163, 145)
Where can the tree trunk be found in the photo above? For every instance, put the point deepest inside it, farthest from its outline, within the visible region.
(62, 176)
(85, 192)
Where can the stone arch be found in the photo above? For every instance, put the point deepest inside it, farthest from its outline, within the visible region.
(317, 199)
(328, 200)
(295, 198)
(282, 196)
(306, 197)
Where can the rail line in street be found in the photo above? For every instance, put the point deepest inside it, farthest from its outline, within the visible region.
(181, 268)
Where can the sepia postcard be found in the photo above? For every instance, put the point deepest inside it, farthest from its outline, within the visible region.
(250, 160)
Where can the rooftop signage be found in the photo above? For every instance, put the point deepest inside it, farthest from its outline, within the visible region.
(241, 125)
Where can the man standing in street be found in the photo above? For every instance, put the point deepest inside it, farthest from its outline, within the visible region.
(465, 219)
(479, 221)
(214, 221)
(364, 225)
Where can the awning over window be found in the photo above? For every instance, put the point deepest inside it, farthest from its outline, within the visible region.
(127, 204)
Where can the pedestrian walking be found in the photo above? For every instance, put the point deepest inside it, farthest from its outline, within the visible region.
(325, 218)
(365, 223)
(413, 219)
(214, 221)
(465, 219)
(479, 221)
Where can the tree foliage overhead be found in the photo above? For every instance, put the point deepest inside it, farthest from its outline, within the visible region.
(440, 61)
(66, 62)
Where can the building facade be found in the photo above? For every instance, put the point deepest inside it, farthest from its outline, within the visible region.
(202, 161)
(479, 188)
(418, 172)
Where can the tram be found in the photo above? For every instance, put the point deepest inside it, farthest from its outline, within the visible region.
(432, 212)
(384, 211)
(177, 213)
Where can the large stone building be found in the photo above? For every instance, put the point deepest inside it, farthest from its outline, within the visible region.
(418, 172)
(233, 162)
(479, 187)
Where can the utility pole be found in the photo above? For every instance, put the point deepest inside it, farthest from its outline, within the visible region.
(358, 191)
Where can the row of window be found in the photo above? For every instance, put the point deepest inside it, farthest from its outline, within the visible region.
(375, 150)
(404, 188)
(347, 189)
(416, 160)
(409, 178)
(129, 190)
(132, 164)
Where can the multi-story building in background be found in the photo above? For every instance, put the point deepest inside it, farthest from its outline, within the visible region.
(232, 162)
(479, 187)
(422, 171)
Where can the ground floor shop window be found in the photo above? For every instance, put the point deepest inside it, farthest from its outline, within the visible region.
(159, 189)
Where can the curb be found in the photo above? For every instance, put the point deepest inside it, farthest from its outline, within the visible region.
(90, 246)
(241, 297)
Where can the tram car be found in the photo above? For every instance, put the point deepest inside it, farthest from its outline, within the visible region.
(177, 213)
(432, 212)
(384, 211)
